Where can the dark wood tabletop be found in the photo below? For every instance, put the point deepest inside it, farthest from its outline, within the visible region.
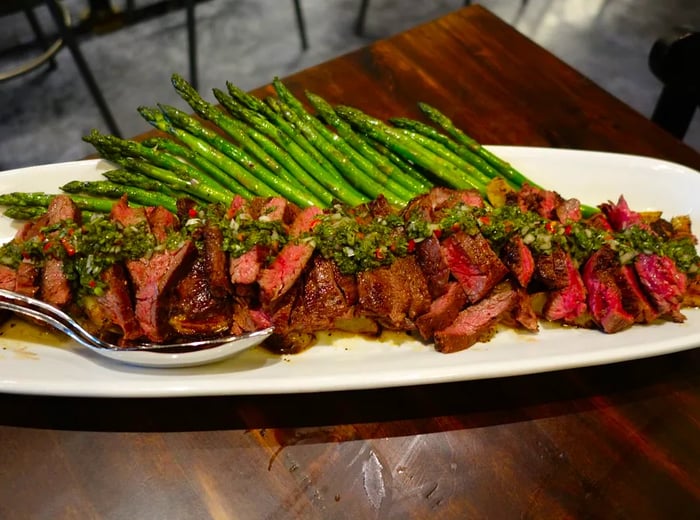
(614, 441)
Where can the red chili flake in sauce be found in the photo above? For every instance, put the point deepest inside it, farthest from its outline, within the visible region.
(70, 250)
(411, 246)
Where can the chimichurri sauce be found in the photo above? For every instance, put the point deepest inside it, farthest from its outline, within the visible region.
(352, 237)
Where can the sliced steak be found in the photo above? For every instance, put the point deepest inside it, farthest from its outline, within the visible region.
(443, 311)
(473, 263)
(55, 289)
(523, 313)
(287, 339)
(568, 211)
(394, 295)
(604, 297)
(54, 286)
(277, 278)
(245, 269)
(216, 261)
(538, 200)
(477, 322)
(27, 279)
(664, 284)
(153, 278)
(433, 204)
(8, 278)
(518, 259)
(552, 270)
(567, 304)
(114, 307)
(31, 229)
(321, 300)
(432, 263)
(202, 305)
(634, 299)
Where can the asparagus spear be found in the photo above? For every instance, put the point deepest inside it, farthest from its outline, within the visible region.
(338, 141)
(114, 191)
(129, 178)
(223, 161)
(504, 168)
(340, 191)
(170, 178)
(262, 108)
(396, 141)
(360, 161)
(274, 158)
(461, 150)
(444, 152)
(191, 125)
(407, 167)
(362, 146)
(177, 150)
(201, 185)
(27, 199)
(352, 174)
(24, 212)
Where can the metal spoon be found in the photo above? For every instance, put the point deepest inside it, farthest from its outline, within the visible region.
(189, 353)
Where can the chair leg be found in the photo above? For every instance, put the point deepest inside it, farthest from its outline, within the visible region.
(192, 42)
(674, 111)
(301, 24)
(361, 16)
(72, 44)
(39, 33)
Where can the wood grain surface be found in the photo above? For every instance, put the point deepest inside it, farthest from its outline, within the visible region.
(616, 441)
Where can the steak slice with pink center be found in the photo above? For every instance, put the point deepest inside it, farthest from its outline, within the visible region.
(517, 257)
(114, 307)
(443, 311)
(276, 279)
(604, 296)
(154, 277)
(55, 288)
(430, 260)
(663, 283)
(477, 322)
(473, 263)
(567, 304)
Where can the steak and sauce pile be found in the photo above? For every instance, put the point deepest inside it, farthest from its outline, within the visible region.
(448, 268)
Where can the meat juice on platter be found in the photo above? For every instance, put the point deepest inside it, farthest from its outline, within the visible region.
(448, 268)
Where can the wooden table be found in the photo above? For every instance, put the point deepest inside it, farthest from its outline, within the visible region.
(616, 441)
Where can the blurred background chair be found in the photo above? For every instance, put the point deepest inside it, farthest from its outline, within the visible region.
(674, 59)
(192, 35)
(66, 36)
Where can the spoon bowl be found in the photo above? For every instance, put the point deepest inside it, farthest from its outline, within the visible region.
(171, 355)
